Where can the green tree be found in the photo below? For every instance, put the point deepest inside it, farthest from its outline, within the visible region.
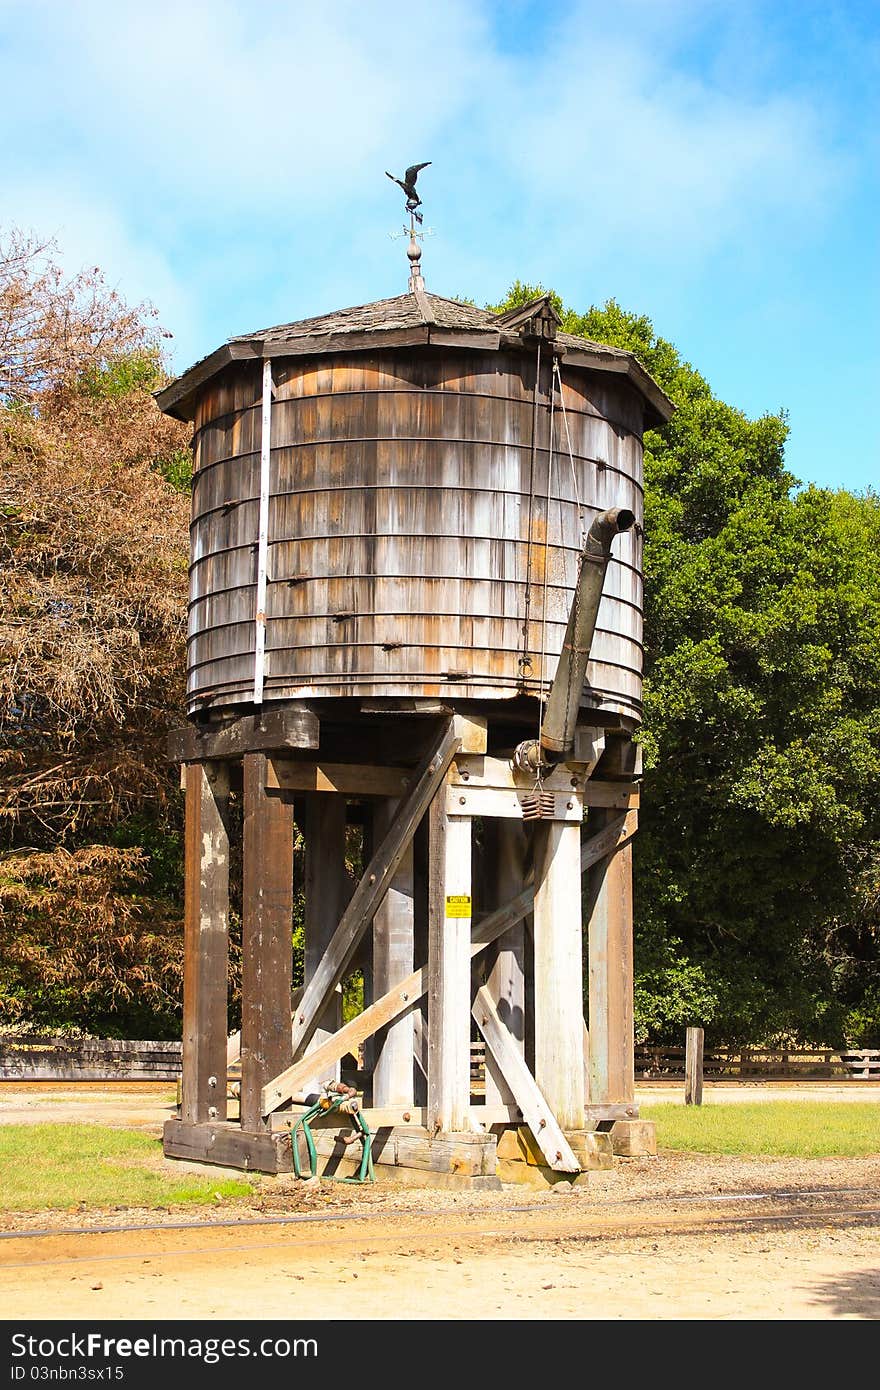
(93, 580)
(757, 866)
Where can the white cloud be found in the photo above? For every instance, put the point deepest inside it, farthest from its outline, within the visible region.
(192, 142)
(91, 232)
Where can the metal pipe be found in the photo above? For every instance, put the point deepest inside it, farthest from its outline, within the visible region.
(263, 535)
(564, 699)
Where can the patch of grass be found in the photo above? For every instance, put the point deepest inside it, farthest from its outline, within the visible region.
(47, 1167)
(799, 1129)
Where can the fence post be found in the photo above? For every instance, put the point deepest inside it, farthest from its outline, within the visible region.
(693, 1067)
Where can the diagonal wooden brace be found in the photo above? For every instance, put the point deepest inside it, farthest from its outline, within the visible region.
(526, 1092)
(405, 995)
(374, 884)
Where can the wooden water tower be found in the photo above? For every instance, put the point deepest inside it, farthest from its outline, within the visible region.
(405, 516)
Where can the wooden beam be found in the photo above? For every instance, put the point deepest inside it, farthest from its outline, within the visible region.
(346, 779)
(610, 975)
(407, 994)
(475, 770)
(622, 796)
(373, 886)
(559, 1005)
(393, 961)
(505, 845)
(227, 1146)
(537, 1113)
(693, 1066)
(449, 968)
(267, 923)
(384, 1116)
(293, 726)
(233, 1042)
(326, 897)
(206, 945)
(473, 730)
(496, 804)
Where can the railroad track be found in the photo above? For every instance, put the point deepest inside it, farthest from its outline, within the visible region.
(517, 1223)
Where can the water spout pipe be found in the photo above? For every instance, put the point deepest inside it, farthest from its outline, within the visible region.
(564, 699)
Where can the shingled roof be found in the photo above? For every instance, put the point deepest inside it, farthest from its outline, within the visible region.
(414, 319)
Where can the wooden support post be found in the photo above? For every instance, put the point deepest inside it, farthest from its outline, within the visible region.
(610, 951)
(449, 968)
(420, 951)
(559, 1008)
(325, 901)
(206, 944)
(506, 846)
(392, 962)
(693, 1067)
(527, 1095)
(267, 921)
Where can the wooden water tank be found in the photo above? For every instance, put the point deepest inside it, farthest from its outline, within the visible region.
(425, 511)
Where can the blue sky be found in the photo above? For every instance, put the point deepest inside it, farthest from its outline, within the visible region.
(712, 165)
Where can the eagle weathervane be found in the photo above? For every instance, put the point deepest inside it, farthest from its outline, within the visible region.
(413, 201)
(408, 184)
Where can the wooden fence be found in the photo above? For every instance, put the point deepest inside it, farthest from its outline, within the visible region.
(87, 1059)
(30, 1058)
(761, 1064)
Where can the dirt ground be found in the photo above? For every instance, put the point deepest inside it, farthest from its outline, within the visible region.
(676, 1237)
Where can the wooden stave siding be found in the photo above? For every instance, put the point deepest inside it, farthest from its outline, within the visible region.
(369, 451)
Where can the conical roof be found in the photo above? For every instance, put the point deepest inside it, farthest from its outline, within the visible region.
(414, 319)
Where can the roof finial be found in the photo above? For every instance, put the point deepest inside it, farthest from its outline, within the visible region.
(414, 252)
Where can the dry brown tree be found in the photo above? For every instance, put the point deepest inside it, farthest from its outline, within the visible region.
(92, 630)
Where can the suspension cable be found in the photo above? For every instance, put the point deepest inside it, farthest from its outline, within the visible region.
(577, 494)
(543, 697)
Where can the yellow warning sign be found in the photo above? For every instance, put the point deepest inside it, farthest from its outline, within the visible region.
(458, 905)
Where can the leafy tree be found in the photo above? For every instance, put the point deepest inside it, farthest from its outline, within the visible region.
(757, 865)
(92, 626)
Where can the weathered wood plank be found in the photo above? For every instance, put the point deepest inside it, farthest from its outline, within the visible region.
(537, 1113)
(346, 779)
(227, 1146)
(558, 954)
(293, 726)
(415, 1117)
(206, 944)
(267, 923)
(378, 874)
(473, 770)
(693, 1067)
(413, 1146)
(505, 846)
(393, 961)
(472, 730)
(468, 1155)
(495, 803)
(610, 973)
(620, 796)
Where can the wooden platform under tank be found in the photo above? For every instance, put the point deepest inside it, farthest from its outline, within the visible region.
(410, 1154)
